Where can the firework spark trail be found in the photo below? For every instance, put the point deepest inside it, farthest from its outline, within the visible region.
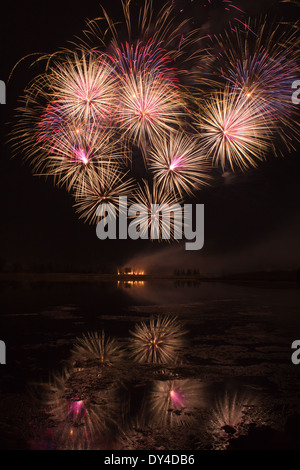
(162, 31)
(141, 59)
(179, 163)
(29, 114)
(233, 130)
(227, 5)
(103, 187)
(263, 65)
(158, 41)
(160, 341)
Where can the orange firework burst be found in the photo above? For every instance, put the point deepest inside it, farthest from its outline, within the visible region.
(233, 130)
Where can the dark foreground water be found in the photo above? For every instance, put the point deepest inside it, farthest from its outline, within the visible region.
(233, 385)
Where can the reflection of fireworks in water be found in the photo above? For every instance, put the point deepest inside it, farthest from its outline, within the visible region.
(81, 422)
(233, 130)
(173, 403)
(129, 284)
(105, 187)
(230, 410)
(95, 346)
(178, 163)
(162, 214)
(77, 422)
(158, 342)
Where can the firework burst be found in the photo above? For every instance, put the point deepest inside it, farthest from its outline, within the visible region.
(136, 87)
(150, 106)
(160, 341)
(76, 154)
(179, 164)
(107, 186)
(233, 130)
(155, 66)
(156, 40)
(262, 66)
(84, 86)
(57, 145)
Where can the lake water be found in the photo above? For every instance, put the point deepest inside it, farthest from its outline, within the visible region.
(233, 384)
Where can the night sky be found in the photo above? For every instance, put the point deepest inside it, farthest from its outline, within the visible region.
(252, 220)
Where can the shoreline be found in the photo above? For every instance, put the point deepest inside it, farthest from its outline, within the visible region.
(262, 279)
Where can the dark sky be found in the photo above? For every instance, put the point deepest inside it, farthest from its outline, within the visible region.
(252, 220)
